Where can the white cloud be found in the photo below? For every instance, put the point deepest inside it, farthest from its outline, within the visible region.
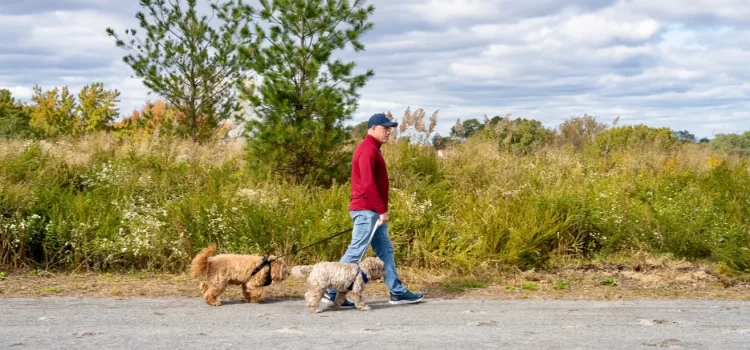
(79, 33)
(21, 92)
(599, 30)
(727, 11)
(681, 64)
(446, 10)
(475, 69)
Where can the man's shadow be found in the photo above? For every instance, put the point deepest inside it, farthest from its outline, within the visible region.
(375, 305)
(384, 304)
(264, 302)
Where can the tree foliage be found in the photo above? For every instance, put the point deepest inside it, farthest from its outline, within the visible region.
(96, 108)
(306, 94)
(579, 131)
(635, 137)
(191, 64)
(14, 116)
(685, 136)
(735, 144)
(520, 135)
(53, 111)
(466, 129)
(157, 117)
(57, 112)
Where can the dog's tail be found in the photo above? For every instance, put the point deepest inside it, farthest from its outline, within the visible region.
(200, 263)
(301, 271)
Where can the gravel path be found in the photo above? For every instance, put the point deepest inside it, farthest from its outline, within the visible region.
(106, 323)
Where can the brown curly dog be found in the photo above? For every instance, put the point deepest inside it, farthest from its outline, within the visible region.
(252, 272)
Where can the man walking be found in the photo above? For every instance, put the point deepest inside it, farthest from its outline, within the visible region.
(369, 207)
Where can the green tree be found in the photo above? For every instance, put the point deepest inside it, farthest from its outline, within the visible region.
(580, 131)
(634, 137)
(96, 108)
(520, 135)
(14, 116)
(306, 94)
(53, 111)
(685, 136)
(496, 119)
(188, 62)
(466, 129)
(737, 144)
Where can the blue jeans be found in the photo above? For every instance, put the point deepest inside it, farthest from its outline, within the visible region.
(364, 223)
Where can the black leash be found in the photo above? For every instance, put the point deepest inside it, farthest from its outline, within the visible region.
(318, 242)
(266, 261)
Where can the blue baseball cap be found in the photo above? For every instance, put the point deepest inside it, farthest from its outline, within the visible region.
(380, 119)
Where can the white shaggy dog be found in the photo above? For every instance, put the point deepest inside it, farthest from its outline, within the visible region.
(341, 276)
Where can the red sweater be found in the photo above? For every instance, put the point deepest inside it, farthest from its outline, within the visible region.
(369, 178)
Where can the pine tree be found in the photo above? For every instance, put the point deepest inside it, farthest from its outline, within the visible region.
(306, 95)
(188, 62)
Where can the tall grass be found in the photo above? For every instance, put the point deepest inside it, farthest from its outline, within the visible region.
(104, 203)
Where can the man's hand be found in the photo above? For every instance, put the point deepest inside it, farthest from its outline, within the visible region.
(384, 218)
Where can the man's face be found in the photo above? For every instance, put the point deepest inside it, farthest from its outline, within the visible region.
(381, 133)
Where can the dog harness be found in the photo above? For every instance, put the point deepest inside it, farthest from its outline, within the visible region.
(364, 277)
(264, 263)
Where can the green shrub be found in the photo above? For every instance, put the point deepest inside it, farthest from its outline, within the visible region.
(152, 204)
(638, 137)
(733, 144)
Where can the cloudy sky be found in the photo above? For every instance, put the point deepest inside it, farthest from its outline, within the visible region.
(683, 64)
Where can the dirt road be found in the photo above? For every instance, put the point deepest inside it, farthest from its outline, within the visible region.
(187, 323)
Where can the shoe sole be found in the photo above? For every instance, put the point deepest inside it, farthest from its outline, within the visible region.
(402, 302)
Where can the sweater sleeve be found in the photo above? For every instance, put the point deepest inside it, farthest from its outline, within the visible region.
(367, 177)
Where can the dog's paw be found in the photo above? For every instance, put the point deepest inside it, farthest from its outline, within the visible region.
(214, 303)
(318, 310)
(364, 308)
